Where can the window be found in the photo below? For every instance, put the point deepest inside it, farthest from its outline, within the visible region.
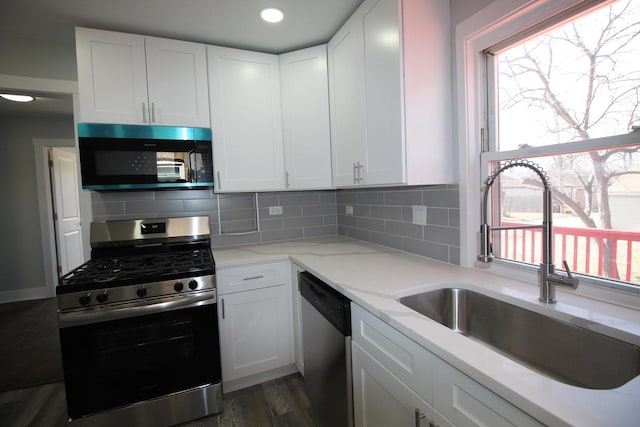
(568, 99)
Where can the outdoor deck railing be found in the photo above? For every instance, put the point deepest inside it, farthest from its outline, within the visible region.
(581, 247)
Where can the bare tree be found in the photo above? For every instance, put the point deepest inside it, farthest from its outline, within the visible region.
(582, 74)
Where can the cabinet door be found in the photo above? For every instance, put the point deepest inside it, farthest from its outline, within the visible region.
(246, 119)
(403, 357)
(380, 398)
(255, 331)
(346, 89)
(177, 82)
(467, 403)
(305, 118)
(112, 81)
(384, 161)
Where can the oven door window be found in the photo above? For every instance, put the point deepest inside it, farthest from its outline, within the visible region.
(117, 363)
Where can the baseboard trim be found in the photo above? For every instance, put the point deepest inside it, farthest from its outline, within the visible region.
(24, 294)
(245, 382)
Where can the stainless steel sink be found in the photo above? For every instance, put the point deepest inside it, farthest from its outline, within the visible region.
(565, 352)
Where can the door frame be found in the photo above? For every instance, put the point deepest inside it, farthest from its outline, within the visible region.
(42, 147)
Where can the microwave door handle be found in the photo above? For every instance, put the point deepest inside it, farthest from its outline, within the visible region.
(193, 175)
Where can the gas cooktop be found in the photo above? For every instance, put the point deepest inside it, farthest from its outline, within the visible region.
(137, 269)
(140, 261)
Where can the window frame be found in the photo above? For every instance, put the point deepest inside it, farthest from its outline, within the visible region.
(500, 21)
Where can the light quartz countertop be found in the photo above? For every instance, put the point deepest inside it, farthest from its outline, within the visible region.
(374, 277)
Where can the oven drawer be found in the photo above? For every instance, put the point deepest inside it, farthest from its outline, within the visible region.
(252, 276)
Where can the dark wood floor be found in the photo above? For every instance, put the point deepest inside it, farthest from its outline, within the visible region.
(277, 403)
(29, 344)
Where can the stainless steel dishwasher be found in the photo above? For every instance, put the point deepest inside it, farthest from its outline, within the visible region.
(326, 348)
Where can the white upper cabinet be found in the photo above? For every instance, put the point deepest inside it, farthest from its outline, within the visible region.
(246, 119)
(390, 89)
(305, 118)
(132, 79)
(347, 101)
(177, 82)
(112, 77)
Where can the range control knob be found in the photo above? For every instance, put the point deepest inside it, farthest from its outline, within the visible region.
(101, 298)
(193, 284)
(84, 299)
(142, 292)
(178, 287)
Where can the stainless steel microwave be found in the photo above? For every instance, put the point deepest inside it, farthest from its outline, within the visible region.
(134, 157)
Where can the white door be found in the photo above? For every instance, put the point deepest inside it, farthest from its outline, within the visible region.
(66, 204)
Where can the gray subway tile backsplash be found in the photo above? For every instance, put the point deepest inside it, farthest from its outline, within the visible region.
(403, 198)
(439, 239)
(382, 215)
(304, 214)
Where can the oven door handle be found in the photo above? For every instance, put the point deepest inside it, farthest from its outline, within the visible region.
(104, 314)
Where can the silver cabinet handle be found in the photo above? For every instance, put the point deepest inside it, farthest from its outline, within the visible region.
(257, 276)
(153, 112)
(418, 416)
(222, 300)
(144, 112)
(357, 177)
(219, 182)
(286, 179)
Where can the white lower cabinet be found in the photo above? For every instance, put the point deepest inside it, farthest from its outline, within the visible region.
(467, 403)
(255, 320)
(381, 399)
(393, 377)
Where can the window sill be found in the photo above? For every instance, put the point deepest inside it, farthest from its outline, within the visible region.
(590, 287)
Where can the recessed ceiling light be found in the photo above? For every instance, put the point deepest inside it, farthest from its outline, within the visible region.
(17, 98)
(271, 14)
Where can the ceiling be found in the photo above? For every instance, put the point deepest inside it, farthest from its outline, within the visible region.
(233, 23)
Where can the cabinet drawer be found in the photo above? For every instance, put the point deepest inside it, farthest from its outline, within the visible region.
(463, 401)
(254, 276)
(404, 358)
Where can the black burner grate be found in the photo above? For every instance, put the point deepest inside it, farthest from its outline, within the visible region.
(146, 268)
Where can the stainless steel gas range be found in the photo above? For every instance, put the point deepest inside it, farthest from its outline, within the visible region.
(138, 325)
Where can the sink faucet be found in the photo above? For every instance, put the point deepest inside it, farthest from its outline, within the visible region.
(547, 277)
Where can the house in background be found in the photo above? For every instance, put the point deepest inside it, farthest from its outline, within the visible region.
(624, 199)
